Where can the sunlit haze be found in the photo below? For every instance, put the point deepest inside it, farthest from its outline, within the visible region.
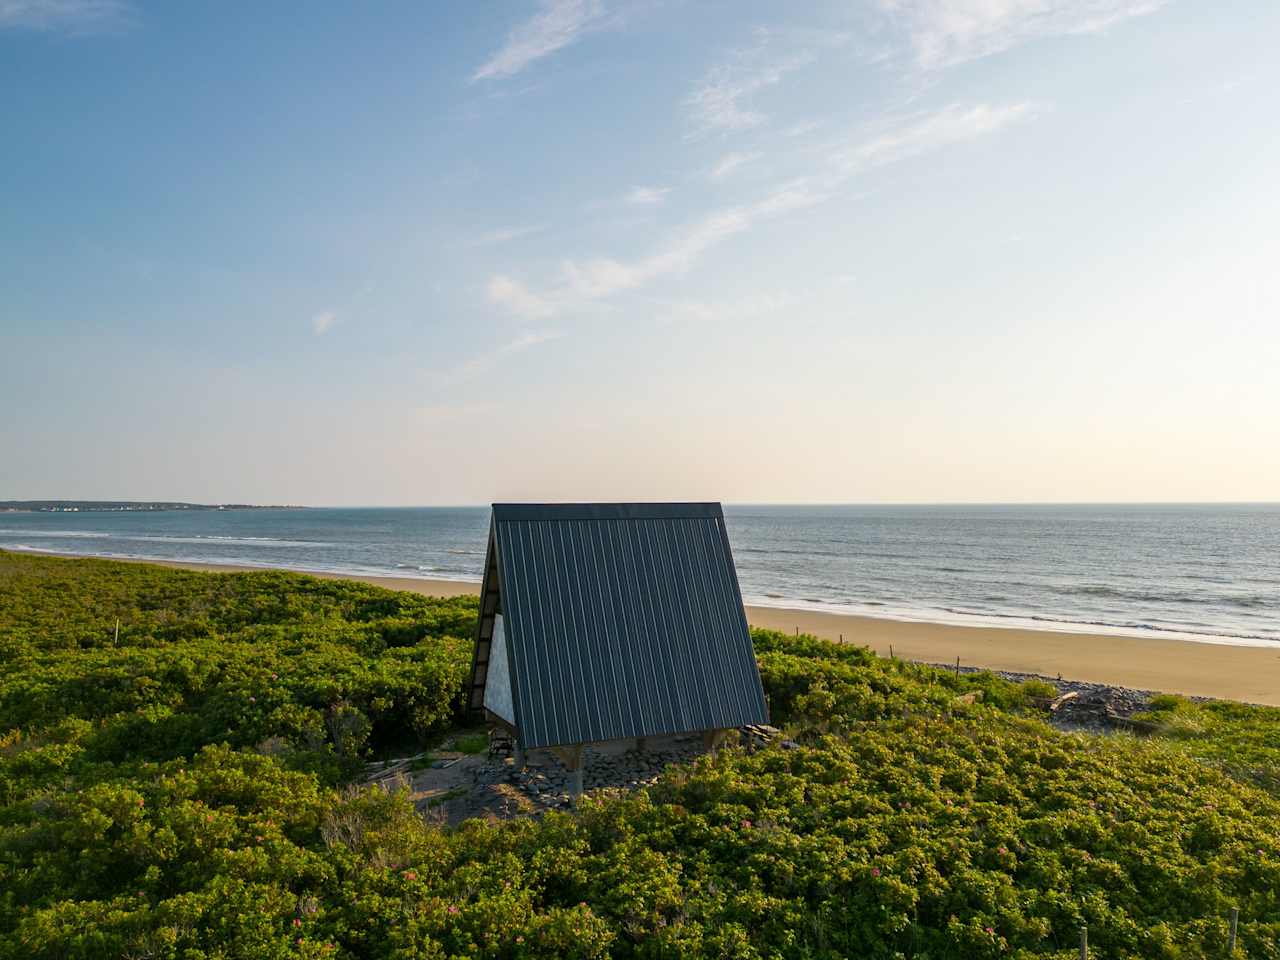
(409, 253)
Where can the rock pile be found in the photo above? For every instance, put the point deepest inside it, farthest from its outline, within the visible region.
(545, 780)
(1087, 707)
(490, 784)
(1101, 709)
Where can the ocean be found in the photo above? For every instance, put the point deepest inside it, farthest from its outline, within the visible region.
(1207, 573)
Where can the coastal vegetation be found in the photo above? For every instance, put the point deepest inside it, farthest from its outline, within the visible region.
(179, 762)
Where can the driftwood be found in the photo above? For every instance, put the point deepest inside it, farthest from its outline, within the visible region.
(1053, 707)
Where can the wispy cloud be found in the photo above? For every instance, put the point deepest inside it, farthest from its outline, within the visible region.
(597, 278)
(485, 361)
(801, 128)
(725, 311)
(647, 196)
(322, 323)
(68, 15)
(514, 297)
(946, 32)
(724, 100)
(505, 235)
(585, 281)
(926, 132)
(557, 24)
(731, 162)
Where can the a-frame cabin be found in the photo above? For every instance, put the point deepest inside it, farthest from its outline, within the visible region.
(610, 621)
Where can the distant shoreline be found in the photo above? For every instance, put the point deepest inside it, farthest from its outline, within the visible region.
(130, 506)
(1248, 674)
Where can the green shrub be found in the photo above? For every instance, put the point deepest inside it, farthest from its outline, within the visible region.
(1170, 703)
(472, 743)
(179, 796)
(1036, 689)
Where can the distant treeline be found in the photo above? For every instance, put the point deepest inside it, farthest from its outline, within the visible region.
(89, 506)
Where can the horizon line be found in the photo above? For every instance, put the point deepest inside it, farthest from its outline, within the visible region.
(285, 505)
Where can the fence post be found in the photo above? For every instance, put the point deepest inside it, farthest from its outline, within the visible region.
(1231, 936)
(957, 668)
(1084, 943)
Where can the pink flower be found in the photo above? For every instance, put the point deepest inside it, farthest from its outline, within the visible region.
(297, 922)
(452, 908)
(275, 676)
(746, 824)
(875, 871)
(991, 929)
(253, 699)
(410, 875)
(1003, 851)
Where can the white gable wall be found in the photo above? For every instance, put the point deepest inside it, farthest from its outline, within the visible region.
(497, 684)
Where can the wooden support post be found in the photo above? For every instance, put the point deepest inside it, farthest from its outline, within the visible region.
(712, 739)
(1084, 943)
(640, 745)
(517, 756)
(1231, 936)
(575, 770)
(572, 757)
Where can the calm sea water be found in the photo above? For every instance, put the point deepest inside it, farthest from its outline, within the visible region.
(1207, 573)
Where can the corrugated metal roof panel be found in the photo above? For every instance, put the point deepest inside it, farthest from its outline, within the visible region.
(604, 511)
(623, 620)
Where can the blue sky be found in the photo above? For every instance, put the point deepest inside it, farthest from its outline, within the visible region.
(408, 253)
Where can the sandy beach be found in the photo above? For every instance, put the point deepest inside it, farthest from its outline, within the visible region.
(1248, 674)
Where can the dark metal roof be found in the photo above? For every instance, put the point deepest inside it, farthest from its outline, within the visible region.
(503, 512)
(621, 620)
